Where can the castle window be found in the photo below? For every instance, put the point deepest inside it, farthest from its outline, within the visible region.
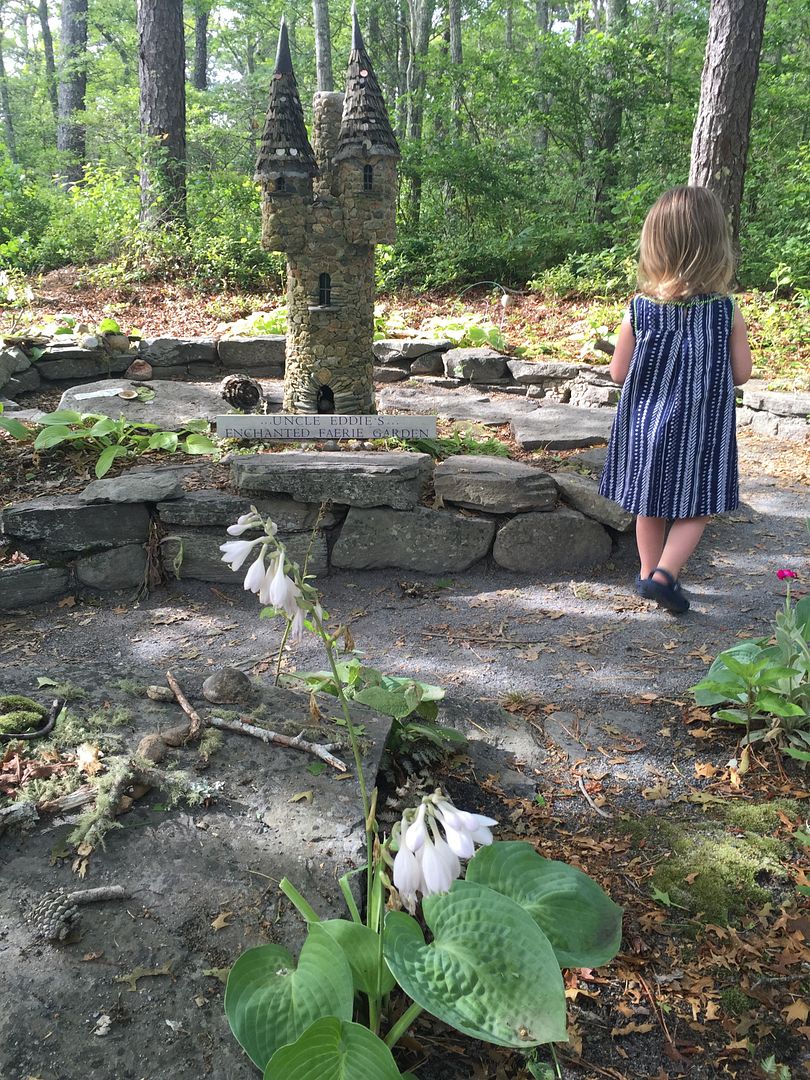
(325, 290)
(281, 183)
(368, 178)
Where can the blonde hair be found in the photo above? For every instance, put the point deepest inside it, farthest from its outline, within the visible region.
(686, 246)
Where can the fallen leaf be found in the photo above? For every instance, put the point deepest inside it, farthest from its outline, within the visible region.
(222, 920)
(143, 973)
(706, 770)
(67, 601)
(302, 796)
(632, 1028)
(799, 1010)
(218, 973)
(87, 759)
(657, 791)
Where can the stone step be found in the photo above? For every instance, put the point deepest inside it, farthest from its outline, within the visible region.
(562, 427)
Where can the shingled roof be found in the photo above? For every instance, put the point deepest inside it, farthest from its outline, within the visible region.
(365, 128)
(284, 140)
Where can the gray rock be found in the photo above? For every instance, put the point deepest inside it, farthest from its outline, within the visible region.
(592, 395)
(22, 362)
(494, 485)
(551, 390)
(172, 405)
(465, 403)
(30, 583)
(198, 554)
(483, 365)
(77, 363)
(228, 686)
(267, 352)
(406, 348)
(359, 478)
(796, 403)
(562, 542)
(119, 568)
(24, 382)
(204, 372)
(561, 427)
(431, 363)
(171, 352)
(597, 374)
(64, 525)
(529, 372)
(7, 367)
(389, 374)
(593, 460)
(583, 494)
(137, 486)
(432, 541)
(212, 508)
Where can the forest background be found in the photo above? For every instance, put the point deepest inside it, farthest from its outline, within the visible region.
(535, 137)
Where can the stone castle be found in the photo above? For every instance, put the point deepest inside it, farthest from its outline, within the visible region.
(326, 205)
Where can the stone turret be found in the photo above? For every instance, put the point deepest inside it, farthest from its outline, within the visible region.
(327, 208)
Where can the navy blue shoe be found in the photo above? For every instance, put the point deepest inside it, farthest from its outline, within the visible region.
(668, 594)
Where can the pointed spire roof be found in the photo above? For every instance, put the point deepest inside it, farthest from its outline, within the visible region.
(284, 140)
(365, 128)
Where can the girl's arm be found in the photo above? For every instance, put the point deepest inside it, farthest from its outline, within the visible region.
(741, 362)
(623, 353)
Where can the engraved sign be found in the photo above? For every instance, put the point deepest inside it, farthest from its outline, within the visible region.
(291, 427)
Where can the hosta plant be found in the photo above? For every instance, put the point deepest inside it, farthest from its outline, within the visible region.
(490, 963)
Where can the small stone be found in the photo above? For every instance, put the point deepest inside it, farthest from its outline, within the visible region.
(159, 693)
(117, 342)
(228, 686)
(139, 369)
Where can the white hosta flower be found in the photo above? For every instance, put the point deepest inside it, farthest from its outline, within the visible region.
(254, 578)
(463, 830)
(267, 580)
(297, 625)
(416, 833)
(236, 551)
(440, 866)
(283, 593)
(408, 877)
(245, 522)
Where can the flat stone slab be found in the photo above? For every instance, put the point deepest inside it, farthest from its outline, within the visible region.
(478, 365)
(210, 508)
(532, 373)
(31, 583)
(560, 542)
(58, 364)
(172, 406)
(55, 525)
(361, 478)
(391, 350)
(137, 486)
(593, 460)
(118, 568)
(583, 494)
(195, 553)
(171, 352)
(464, 403)
(796, 403)
(561, 427)
(267, 352)
(494, 485)
(432, 541)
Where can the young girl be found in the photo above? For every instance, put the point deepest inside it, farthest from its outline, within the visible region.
(681, 350)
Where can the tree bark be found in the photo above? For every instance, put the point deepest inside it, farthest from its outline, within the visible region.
(723, 124)
(541, 26)
(421, 19)
(161, 75)
(70, 131)
(199, 77)
(456, 59)
(50, 63)
(5, 104)
(615, 16)
(323, 44)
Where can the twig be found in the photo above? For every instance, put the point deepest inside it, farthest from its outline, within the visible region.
(590, 802)
(243, 726)
(95, 896)
(196, 725)
(73, 801)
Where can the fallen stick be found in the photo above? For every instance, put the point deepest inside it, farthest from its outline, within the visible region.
(73, 801)
(196, 725)
(243, 726)
(590, 802)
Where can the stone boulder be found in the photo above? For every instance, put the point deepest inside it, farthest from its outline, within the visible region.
(119, 568)
(24, 382)
(482, 365)
(74, 362)
(175, 352)
(431, 541)
(431, 363)
(31, 583)
(389, 374)
(780, 403)
(229, 686)
(582, 494)
(593, 460)
(538, 372)
(546, 544)
(136, 486)
(561, 427)
(171, 407)
(494, 485)
(214, 508)
(195, 553)
(265, 354)
(398, 350)
(360, 478)
(67, 526)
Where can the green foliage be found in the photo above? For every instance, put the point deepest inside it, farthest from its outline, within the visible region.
(391, 695)
(20, 714)
(14, 427)
(600, 273)
(112, 439)
(260, 322)
(466, 330)
(460, 442)
(332, 1049)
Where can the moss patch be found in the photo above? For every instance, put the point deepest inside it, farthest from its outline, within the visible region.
(18, 713)
(719, 876)
(761, 818)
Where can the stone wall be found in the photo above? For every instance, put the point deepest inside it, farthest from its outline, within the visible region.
(395, 510)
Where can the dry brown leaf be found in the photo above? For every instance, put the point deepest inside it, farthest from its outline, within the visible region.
(67, 601)
(222, 920)
(88, 759)
(798, 1011)
(706, 769)
(660, 790)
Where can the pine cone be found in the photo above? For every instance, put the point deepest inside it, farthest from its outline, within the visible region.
(54, 916)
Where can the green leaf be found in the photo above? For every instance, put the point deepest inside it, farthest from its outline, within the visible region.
(777, 705)
(490, 971)
(361, 947)
(15, 429)
(270, 1003)
(731, 716)
(196, 425)
(332, 1049)
(316, 768)
(44, 680)
(385, 702)
(163, 440)
(799, 755)
(51, 436)
(108, 326)
(103, 427)
(580, 920)
(199, 444)
(107, 457)
(61, 416)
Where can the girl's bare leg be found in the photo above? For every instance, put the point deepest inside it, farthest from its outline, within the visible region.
(650, 532)
(684, 536)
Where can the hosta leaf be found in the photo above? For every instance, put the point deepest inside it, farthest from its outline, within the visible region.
(51, 436)
(361, 948)
(580, 920)
(199, 444)
(15, 428)
(107, 457)
(332, 1049)
(270, 1002)
(61, 416)
(490, 971)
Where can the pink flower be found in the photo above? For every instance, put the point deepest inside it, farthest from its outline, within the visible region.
(783, 574)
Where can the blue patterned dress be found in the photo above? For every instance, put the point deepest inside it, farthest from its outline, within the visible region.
(673, 448)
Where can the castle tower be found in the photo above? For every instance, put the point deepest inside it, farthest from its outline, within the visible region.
(327, 208)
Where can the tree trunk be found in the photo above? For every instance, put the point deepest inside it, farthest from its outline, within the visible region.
(5, 104)
(199, 78)
(50, 63)
(541, 26)
(456, 60)
(323, 44)
(70, 131)
(615, 16)
(161, 75)
(723, 124)
(421, 18)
